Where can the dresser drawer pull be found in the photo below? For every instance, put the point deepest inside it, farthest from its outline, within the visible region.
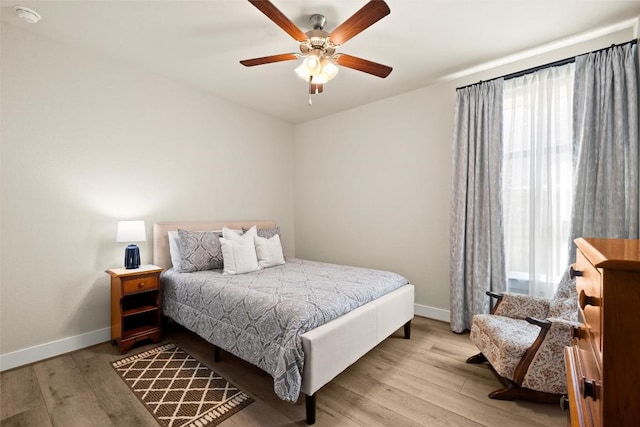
(575, 273)
(586, 300)
(588, 388)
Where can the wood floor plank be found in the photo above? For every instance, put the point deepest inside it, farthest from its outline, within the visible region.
(418, 410)
(423, 381)
(67, 395)
(34, 417)
(116, 399)
(259, 414)
(381, 360)
(360, 409)
(454, 402)
(543, 414)
(20, 393)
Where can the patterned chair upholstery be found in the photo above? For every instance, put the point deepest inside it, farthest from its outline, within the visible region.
(523, 340)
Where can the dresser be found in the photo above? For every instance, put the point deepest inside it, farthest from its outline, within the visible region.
(603, 362)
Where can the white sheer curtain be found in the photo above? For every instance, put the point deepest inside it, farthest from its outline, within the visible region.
(537, 178)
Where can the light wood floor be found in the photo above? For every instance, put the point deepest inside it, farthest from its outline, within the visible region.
(419, 382)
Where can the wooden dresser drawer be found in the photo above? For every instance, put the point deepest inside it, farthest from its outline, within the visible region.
(584, 411)
(132, 285)
(590, 292)
(603, 372)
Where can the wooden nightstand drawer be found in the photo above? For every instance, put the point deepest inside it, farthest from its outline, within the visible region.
(133, 285)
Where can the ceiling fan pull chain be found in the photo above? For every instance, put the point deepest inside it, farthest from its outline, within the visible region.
(310, 90)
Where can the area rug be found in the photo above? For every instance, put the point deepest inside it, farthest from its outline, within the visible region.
(179, 390)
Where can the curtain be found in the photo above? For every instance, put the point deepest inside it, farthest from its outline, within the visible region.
(537, 178)
(606, 186)
(476, 244)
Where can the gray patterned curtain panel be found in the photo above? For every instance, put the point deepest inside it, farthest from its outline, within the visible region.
(605, 127)
(476, 250)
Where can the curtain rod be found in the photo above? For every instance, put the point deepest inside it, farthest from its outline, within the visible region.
(549, 65)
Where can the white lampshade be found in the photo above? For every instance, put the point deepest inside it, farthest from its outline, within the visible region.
(131, 231)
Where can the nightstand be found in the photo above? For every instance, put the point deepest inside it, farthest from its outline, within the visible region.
(135, 305)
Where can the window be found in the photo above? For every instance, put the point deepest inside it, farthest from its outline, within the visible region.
(537, 178)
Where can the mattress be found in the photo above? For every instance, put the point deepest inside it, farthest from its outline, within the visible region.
(261, 316)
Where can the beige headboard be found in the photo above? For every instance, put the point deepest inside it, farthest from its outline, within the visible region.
(161, 256)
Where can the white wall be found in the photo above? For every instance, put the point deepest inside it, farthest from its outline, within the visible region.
(373, 188)
(87, 142)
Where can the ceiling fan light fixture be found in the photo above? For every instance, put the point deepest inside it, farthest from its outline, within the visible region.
(321, 70)
(319, 79)
(302, 72)
(329, 69)
(313, 65)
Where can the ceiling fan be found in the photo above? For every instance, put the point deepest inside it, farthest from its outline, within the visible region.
(318, 47)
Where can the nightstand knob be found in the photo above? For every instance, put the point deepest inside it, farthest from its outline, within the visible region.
(140, 285)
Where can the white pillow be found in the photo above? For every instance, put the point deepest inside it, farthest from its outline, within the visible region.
(269, 251)
(239, 252)
(230, 233)
(174, 250)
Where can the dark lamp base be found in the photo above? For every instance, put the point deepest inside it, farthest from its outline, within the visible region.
(132, 257)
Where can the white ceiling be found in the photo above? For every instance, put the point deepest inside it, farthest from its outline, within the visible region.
(200, 43)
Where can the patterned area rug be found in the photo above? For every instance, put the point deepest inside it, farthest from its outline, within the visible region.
(179, 390)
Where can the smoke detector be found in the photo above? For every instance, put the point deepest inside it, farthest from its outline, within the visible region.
(26, 14)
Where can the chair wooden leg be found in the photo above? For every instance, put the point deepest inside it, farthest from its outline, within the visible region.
(478, 358)
(514, 392)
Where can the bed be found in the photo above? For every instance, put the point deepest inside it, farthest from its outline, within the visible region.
(317, 342)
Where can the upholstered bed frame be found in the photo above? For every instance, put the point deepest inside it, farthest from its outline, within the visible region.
(334, 346)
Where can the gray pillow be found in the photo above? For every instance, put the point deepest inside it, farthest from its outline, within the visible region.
(200, 250)
(266, 233)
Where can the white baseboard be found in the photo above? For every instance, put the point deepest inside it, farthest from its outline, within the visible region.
(53, 348)
(432, 313)
(66, 345)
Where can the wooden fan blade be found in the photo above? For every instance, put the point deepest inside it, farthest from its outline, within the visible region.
(269, 59)
(272, 12)
(315, 88)
(363, 65)
(370, 13)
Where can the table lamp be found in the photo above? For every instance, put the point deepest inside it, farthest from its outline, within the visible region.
(131, 231)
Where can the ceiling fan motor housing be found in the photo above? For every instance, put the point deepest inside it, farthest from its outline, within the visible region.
(317, 40)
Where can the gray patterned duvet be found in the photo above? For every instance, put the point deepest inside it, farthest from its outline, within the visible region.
(260, 316)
